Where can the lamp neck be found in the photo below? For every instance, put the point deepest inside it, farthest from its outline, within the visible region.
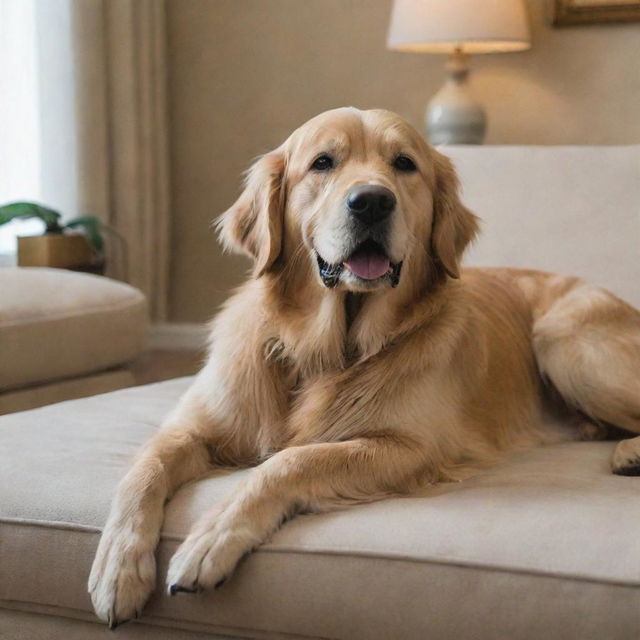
(458, 66)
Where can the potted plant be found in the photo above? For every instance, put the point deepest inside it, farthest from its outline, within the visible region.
(56, 247)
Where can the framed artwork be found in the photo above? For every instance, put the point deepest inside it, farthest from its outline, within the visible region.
(594, 11)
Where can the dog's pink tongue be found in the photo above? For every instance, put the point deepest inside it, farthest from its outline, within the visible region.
(368, 265)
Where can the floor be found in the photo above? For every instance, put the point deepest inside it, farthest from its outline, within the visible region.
(154, 366)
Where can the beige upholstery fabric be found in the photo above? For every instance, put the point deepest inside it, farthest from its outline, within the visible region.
(68, 389)
(57, 324)
(573, 210)
(47, 623)
(544, 545)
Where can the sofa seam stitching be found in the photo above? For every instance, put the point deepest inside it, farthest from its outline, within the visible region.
(215, 628)
(356, 554)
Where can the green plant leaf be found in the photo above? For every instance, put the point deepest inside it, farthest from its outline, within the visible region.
(92, 228)
(25, 210)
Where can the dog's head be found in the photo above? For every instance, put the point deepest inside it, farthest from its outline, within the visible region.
(360, 197)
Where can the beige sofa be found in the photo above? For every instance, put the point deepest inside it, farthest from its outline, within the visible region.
(65, 335)
(544, 545)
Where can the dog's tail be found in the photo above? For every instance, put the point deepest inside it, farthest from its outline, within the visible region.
(587, 343)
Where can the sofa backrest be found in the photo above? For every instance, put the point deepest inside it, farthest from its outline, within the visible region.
(573, 210)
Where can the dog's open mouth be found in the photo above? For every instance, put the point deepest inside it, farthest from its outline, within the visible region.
(369, 262)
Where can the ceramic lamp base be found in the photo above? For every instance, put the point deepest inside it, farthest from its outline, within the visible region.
(453, 116)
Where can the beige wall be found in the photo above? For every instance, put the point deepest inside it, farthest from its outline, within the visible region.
(244, 73)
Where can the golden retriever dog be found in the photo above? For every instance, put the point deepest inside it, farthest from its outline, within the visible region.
(359, 361)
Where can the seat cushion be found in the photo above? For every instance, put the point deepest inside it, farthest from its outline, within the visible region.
(66, 389)
(545, 544)
(58, 324)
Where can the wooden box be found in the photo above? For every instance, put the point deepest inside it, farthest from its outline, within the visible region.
(62, 251)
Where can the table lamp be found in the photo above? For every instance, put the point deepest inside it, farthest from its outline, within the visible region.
(458, 28)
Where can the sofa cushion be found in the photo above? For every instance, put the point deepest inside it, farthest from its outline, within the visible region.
(573, 210)
(58, 324)
(66, 389)
(544, 544)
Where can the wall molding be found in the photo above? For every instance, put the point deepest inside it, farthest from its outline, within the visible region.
(178, 335)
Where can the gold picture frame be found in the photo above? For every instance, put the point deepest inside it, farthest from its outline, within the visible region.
(572, 12)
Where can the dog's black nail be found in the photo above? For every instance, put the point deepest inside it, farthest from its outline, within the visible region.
(113, 626)
(220, 583)
(119, 623)
(176, 588)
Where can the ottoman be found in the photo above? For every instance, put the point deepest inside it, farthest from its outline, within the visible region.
(65, 335)
(543, 545)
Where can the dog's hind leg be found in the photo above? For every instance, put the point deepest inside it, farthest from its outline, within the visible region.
(588, 345)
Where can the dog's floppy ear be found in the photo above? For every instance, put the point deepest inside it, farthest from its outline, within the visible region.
(454, 226)
(253, 224)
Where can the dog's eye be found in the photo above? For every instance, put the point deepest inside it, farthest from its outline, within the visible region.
(322, 163)
(404, 163)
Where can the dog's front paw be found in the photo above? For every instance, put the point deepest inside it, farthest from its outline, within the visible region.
(207, 558)
(122, 577)
(626, 458)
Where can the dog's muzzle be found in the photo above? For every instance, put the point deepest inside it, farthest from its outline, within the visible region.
(369, 207)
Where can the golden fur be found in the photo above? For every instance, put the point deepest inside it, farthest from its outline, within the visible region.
(353, 393)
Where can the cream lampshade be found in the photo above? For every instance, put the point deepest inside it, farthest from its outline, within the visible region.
(458, 27)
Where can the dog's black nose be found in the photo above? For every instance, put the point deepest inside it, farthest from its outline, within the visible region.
(371, 203)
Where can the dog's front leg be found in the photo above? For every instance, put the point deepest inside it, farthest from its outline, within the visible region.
(124, 570)
(305, 478)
